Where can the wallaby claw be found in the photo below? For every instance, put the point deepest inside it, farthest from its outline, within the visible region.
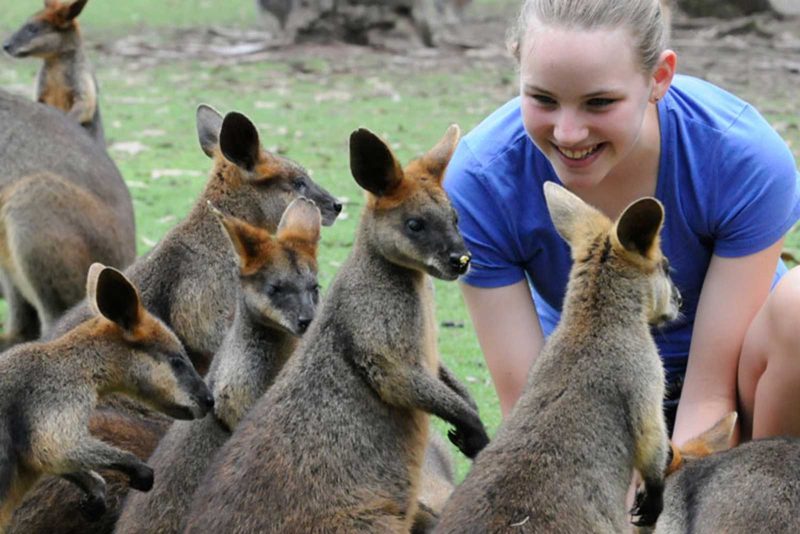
(469, 442)
(92, 507)
(141, 478)
(645, 510)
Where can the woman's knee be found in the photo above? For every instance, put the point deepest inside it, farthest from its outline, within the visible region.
(781, 313)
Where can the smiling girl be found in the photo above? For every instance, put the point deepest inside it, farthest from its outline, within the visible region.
(602, 111)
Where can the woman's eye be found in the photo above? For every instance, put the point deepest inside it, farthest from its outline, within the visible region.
(600, 102)
(415, 225)
(544, 100)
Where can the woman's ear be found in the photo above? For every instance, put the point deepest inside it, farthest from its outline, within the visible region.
(663, 74)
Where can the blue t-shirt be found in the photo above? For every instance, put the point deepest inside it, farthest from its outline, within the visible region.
(727, 180)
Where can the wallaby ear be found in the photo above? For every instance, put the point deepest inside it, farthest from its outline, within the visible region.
(209, 123)
(715, 439)
(301, 219)
(238, 140)
(437, 158)
(567, 210)
(74, 9)
(638, 226)
(49, 4)
(113, 296)
(372, 163)
(248, 241)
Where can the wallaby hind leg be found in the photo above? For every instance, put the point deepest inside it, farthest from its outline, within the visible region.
(22, 321)
(93, 501)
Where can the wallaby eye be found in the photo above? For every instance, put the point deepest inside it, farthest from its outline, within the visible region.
(273, 289)
(177, 363)
(299, 184)
(415, 225)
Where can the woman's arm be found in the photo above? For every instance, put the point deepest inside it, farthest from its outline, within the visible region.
(733, 291)
(509, 334)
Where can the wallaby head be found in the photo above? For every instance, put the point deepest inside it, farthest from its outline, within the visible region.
(49, 32)
(408, 218)
(715, 439)
(629, 245)
(279, 272)
(151, 364)
(247, 168)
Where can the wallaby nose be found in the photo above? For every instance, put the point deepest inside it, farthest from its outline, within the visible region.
(302, 324)
(337, 207)
(7, 47)
(459, 262)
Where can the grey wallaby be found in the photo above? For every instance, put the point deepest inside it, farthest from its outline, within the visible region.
(276, 304)
(190, 280)
(63, 206)
(48, 391)
(66, 81)
(591, 409)
(437, 482)
(337, 443)
(754, 487)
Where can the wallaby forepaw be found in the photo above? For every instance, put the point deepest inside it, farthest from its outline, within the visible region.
(469, 442)
(142, 478)
(92, 507)
(646, 509)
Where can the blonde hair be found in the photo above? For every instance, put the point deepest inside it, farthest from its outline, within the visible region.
(647, 20)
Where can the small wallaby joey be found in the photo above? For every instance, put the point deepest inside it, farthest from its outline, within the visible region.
(278, 298)
(48, 391)
(337, 443)
(591, 408)
(754, 487)
(66, 80)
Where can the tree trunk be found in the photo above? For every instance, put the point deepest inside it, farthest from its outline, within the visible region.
(364, 22)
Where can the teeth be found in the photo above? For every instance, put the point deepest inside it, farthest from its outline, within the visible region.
(577, 154)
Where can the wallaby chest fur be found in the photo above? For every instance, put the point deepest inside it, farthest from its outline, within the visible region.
(754, 487)
(590, 411)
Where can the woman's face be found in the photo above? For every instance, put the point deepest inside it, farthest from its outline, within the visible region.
(584, 97)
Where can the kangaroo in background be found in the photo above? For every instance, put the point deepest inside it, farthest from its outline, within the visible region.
(275, 306)
(190, 280)
(63, 206)
(754, 487)
(337, 443)
(48, 391)
(66, 81)
(591, 409)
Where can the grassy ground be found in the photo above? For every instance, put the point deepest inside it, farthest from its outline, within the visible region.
(304, 105)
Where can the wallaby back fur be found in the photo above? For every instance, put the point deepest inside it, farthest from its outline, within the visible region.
(63, 205)
(48, 391)
(754, 487)
(276, 304)
(190, 279)
(591, 408)
(337, 443)
(66, 81)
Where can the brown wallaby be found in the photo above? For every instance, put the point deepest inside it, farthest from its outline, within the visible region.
(337, 443)
(66, 80)
(754, 487)
(276, 304)
(48, 391)
(63, 206)
(190, 279)
(591, 409)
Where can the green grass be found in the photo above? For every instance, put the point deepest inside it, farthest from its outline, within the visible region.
(304, 108)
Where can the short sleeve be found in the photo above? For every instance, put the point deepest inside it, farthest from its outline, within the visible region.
(758, 193)
(482, 223)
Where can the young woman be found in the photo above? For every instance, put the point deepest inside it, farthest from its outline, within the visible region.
(602, 111)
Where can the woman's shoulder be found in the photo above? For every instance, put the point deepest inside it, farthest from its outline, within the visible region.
(498, 136)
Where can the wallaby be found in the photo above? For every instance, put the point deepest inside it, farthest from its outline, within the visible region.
(48, 391)
(437, 482)
(63, 206)
(66, 81)
(754, 487)
(591, 408)
(277, 301)
(190, 279)
(336, 444)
